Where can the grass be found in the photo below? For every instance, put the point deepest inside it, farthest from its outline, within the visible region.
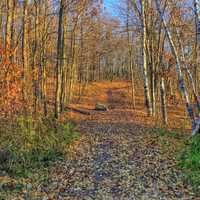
(189, 162)
(163, 132)
(187, 154)
(29, 147)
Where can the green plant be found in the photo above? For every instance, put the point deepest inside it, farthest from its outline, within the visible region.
(30, 144)
(164, 132)
(189, 161)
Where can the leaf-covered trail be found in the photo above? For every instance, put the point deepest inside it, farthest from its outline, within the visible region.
(116, 159)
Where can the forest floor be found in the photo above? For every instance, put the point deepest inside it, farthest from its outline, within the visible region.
(120, 155)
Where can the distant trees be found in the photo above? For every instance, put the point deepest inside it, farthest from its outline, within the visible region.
(53, 45)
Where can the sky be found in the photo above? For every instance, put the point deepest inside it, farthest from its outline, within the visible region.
(108, 4)
(111, 5)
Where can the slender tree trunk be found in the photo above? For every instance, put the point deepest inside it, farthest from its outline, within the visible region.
(163, 100)
(12, 45)
(64, 68)
(197, 44)
(1, 23)
(43, 59)
(146, 84)
(35, 63)
(130, 50)
(73, 64)
(81, 84)
(25, 55)
(59, 62)
(9, 29)
(152, 75)
(132, 83)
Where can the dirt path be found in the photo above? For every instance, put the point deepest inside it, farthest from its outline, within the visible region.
(116, 160)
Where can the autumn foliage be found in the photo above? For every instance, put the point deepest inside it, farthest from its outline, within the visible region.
(10, 86)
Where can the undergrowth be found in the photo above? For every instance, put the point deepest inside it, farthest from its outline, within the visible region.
(167, 133)
(28, 145)
(187, 154)
(189, 162)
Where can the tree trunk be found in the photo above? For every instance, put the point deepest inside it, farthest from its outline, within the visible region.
(64, 68)
(25, 55)
(35, 68)
(146, 84)
(130, 50)
(178, 69)
(163, 100)
(9, 32)
(197, 48)
(59, 62)
(1, 23)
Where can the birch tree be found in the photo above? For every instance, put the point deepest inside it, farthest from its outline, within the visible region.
(163, 100)
(144, 49)
(195, 122)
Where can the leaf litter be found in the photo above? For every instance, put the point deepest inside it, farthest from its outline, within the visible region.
(115, 159)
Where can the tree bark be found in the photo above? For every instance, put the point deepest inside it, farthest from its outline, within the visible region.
(197, 48)
(163, 100)
(145, 72)
(9, 32)
(25, 55)
(59, 62)
(130, 50)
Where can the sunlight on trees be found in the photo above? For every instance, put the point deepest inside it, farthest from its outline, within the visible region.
(69, 59)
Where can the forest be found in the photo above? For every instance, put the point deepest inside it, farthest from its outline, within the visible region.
(99, 99)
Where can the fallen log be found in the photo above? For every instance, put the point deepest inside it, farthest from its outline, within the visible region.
(84, 112)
